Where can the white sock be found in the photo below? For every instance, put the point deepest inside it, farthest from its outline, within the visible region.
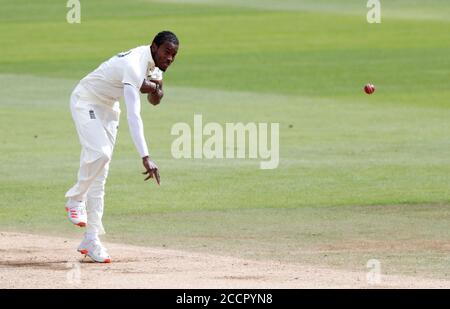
(91, 236)
(74, 201)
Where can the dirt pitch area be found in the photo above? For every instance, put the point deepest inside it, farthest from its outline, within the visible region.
(35, 261)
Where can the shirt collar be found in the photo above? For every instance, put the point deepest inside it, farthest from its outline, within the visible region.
(151, 62)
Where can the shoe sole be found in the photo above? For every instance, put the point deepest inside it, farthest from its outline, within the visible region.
(86, 252)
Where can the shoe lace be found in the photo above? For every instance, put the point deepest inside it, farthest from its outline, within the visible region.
(79, 209)
(99, 248)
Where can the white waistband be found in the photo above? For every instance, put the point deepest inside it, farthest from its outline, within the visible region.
(89, 97)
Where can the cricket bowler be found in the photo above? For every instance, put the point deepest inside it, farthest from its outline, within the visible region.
(94, 104)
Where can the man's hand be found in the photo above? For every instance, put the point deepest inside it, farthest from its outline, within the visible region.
(151, 169)
(148, 86)
(156, 96)
(154, 91)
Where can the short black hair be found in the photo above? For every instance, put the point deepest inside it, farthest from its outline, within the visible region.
(165, 36)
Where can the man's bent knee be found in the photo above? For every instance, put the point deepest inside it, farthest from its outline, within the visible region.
(105, 156)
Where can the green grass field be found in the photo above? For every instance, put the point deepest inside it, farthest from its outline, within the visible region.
(360, 176)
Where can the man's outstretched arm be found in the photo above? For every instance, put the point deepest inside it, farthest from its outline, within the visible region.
(133, 103)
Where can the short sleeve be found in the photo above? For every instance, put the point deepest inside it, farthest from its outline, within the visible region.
(131, 76)
(133, 72)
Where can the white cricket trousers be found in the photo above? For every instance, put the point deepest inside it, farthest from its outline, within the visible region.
(97, 124)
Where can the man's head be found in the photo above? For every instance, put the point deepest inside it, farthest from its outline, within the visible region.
(164, 48)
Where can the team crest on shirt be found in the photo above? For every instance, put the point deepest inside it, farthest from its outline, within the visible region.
(151, 69)
(154, 74)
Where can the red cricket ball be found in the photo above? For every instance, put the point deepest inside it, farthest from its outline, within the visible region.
(369, 88)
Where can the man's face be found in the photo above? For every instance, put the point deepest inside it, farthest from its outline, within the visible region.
(164, 54)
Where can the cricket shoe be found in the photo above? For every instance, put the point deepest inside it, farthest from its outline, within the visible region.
(76, 212)
(95, 250)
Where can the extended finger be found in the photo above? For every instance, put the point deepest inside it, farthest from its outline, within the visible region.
(149, 176)
(158, 179)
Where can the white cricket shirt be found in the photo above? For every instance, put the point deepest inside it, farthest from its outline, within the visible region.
(131, 67)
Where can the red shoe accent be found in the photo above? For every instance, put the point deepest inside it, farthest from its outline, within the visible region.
(81, 224)
(107, 261)
(83, 251)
